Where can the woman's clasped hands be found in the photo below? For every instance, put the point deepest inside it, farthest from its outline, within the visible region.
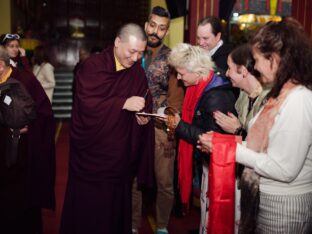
(204, 142)
(229, 123)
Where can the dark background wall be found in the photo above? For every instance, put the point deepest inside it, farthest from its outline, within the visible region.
(66, 25)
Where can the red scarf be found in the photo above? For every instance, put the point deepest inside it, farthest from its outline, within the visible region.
(221, 190)
(185, 153)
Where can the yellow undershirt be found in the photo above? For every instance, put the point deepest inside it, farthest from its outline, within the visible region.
(119, 66)
(6, 76)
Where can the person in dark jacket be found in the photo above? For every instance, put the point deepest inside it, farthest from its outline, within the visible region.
(209, 37)
(206, 93)
(27, 186)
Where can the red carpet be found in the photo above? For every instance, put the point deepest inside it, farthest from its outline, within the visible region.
(51, 220)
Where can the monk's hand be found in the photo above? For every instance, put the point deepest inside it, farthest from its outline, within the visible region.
(142, 120)
(229, 123)
(204, 142)
(134, 103)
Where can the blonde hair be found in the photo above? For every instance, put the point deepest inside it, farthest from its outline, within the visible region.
(192, 58)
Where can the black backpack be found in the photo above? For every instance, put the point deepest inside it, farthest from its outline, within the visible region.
(17, 109)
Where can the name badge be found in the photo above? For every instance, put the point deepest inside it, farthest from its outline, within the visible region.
(7, 100)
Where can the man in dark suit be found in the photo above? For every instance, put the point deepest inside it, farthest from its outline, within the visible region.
(209, 37)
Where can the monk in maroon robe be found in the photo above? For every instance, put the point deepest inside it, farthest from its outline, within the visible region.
(28, 185)
(109, 143)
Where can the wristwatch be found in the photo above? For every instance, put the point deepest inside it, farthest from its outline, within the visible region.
(239, 131)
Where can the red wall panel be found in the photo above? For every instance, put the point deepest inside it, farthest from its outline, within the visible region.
(302, 11)
(199, 9)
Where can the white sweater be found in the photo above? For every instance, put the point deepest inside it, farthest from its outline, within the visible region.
(286, 168)
(45, 75)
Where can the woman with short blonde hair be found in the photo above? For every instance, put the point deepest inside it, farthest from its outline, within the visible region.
(192, 58)
(206, 93)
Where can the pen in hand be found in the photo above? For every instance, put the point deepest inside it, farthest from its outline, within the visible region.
(142, 120)
(145, 95)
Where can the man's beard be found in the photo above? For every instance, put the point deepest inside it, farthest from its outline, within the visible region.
(154, 44)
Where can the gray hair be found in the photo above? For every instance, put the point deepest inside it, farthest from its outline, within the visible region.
(192, 58)
(131, 29)
(4, 56)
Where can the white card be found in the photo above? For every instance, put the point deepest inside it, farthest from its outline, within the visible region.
(7, 100)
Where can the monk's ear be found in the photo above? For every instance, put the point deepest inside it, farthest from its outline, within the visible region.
(117, 42)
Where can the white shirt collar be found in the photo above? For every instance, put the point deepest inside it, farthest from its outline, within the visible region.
(12, 63)
(213, 50)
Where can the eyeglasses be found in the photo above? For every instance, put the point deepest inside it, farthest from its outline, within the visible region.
(10, 37)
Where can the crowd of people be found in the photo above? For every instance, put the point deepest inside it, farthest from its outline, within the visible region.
(27, 185)
(260, 92)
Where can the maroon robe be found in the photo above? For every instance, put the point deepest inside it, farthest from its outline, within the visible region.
(107, 148)
(28, 186)
(22, 63)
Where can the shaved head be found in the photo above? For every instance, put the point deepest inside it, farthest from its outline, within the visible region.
(130, 44)
(131, 29)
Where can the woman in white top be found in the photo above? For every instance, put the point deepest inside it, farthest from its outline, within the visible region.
(278, 150)
(44, 71)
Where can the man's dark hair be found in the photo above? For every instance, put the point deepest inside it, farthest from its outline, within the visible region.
(214, 22)
(160, 11)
